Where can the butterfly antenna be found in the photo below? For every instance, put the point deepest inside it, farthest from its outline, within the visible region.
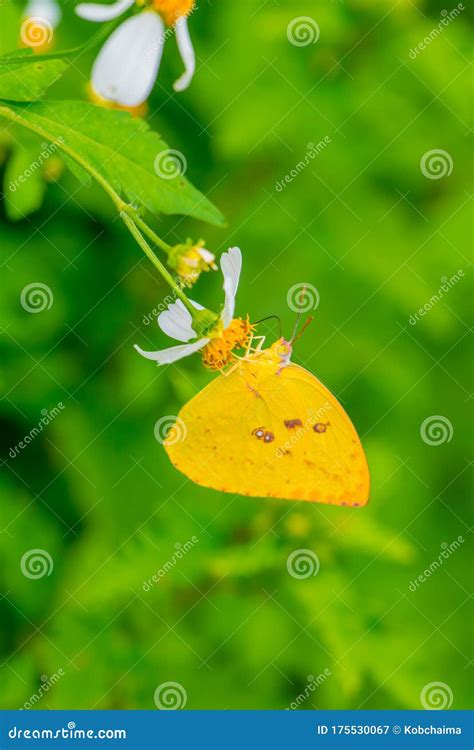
(303, 329)
(271, 317)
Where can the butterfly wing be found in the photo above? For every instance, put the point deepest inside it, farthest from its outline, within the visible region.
(265, 432)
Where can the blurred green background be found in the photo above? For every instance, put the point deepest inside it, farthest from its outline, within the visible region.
(364, 225)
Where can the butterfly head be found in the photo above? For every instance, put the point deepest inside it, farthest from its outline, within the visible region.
(280, 352)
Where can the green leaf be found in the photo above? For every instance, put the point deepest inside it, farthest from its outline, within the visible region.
(121, 152)
(27, 81)
(23, 183)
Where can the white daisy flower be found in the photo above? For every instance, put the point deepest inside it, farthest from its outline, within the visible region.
(127, 66)
(229, 333)
(48, 10)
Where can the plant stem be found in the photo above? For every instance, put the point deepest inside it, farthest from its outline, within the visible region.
(127, 213)
(137, 235)
(151, 234)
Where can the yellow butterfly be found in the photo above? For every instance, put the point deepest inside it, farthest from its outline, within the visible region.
(266, 427)
(269, 428)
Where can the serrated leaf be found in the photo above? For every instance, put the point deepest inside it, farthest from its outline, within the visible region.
(27, 81)
(124, 152)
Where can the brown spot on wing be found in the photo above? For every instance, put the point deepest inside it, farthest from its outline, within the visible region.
(292, 423)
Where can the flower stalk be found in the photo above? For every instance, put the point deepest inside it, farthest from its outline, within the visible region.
(202, 319)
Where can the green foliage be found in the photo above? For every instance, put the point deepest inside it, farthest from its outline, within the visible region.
(28, 81)
(121, 150)
(95, 489)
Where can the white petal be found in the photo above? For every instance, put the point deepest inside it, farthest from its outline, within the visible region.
(177, 322)
(231, 264)
(186, 50)
(47, 9)
(206, 255)
(127, 65)
(99, 12)
(166, 356)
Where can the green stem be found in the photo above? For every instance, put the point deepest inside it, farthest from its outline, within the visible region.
(20, 58)
(127, 213)
(151, 234)
(137, 235)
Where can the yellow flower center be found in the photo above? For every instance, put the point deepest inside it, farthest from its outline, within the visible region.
(171, 10)
(218, 352)
(141, 110)
(189, 263)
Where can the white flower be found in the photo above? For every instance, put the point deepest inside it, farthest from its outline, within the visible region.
(126, 67)
(176, 321)
(46, 10)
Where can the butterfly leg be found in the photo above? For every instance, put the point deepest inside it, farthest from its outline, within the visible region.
(261, 341)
